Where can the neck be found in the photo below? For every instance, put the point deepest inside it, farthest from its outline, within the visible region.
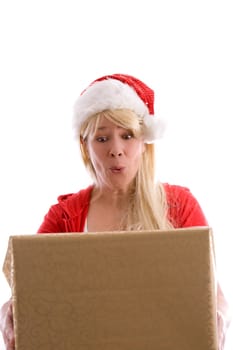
(116, 197)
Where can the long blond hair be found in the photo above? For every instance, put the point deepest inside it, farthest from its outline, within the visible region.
(147, 209)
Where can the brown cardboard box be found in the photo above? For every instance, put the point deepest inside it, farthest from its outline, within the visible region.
(114, 291)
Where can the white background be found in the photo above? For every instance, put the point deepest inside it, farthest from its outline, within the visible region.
(51, 50)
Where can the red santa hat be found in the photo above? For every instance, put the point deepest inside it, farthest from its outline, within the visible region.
(119, 91)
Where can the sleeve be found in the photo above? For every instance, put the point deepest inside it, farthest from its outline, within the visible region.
(53, 222)
(183, 208)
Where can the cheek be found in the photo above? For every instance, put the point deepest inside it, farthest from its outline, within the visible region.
(137, 150)
(95, 156)
(90, 150)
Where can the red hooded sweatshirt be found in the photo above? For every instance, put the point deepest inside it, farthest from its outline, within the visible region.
(70, 213)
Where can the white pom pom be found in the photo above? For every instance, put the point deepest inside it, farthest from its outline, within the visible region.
(154, 128)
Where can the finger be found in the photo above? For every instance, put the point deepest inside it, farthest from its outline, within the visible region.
(9, 340)
(6, 324)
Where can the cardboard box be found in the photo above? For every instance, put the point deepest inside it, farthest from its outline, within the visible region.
(114, 291)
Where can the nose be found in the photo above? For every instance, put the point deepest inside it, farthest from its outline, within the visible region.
(115, 154)
(116, 149)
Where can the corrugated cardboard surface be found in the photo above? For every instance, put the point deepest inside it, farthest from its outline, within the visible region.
(114, 291)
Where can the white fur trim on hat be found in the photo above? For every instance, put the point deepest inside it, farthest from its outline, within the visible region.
(113, 94)
(154, 128)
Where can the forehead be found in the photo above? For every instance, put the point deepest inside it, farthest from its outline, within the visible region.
(104, 123)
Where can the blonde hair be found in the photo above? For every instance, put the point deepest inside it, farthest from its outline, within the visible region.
(147, 209)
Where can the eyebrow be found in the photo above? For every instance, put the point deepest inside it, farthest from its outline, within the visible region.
(101, 127)
(106, 127)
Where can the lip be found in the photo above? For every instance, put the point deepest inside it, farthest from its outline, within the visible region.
(116, 169)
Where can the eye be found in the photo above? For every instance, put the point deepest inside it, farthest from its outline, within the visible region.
(128, 136)
(101, 138)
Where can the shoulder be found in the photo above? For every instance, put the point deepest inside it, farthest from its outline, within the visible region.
(73, 202)
(68, 214)
(178, 195)
(174, 192)
(83, 194)
(184, 209)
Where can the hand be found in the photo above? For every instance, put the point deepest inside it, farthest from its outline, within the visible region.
(6, 325)
(223, 317)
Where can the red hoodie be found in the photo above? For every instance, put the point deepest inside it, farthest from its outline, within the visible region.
(70, 213)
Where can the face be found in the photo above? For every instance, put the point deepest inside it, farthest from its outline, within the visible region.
(115, 155)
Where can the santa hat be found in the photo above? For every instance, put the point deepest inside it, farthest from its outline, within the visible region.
(119, 91)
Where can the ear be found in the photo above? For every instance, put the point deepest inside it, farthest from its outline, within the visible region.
(143, 147)
(83, 143)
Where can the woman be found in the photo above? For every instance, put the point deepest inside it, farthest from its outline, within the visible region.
(115, 124)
